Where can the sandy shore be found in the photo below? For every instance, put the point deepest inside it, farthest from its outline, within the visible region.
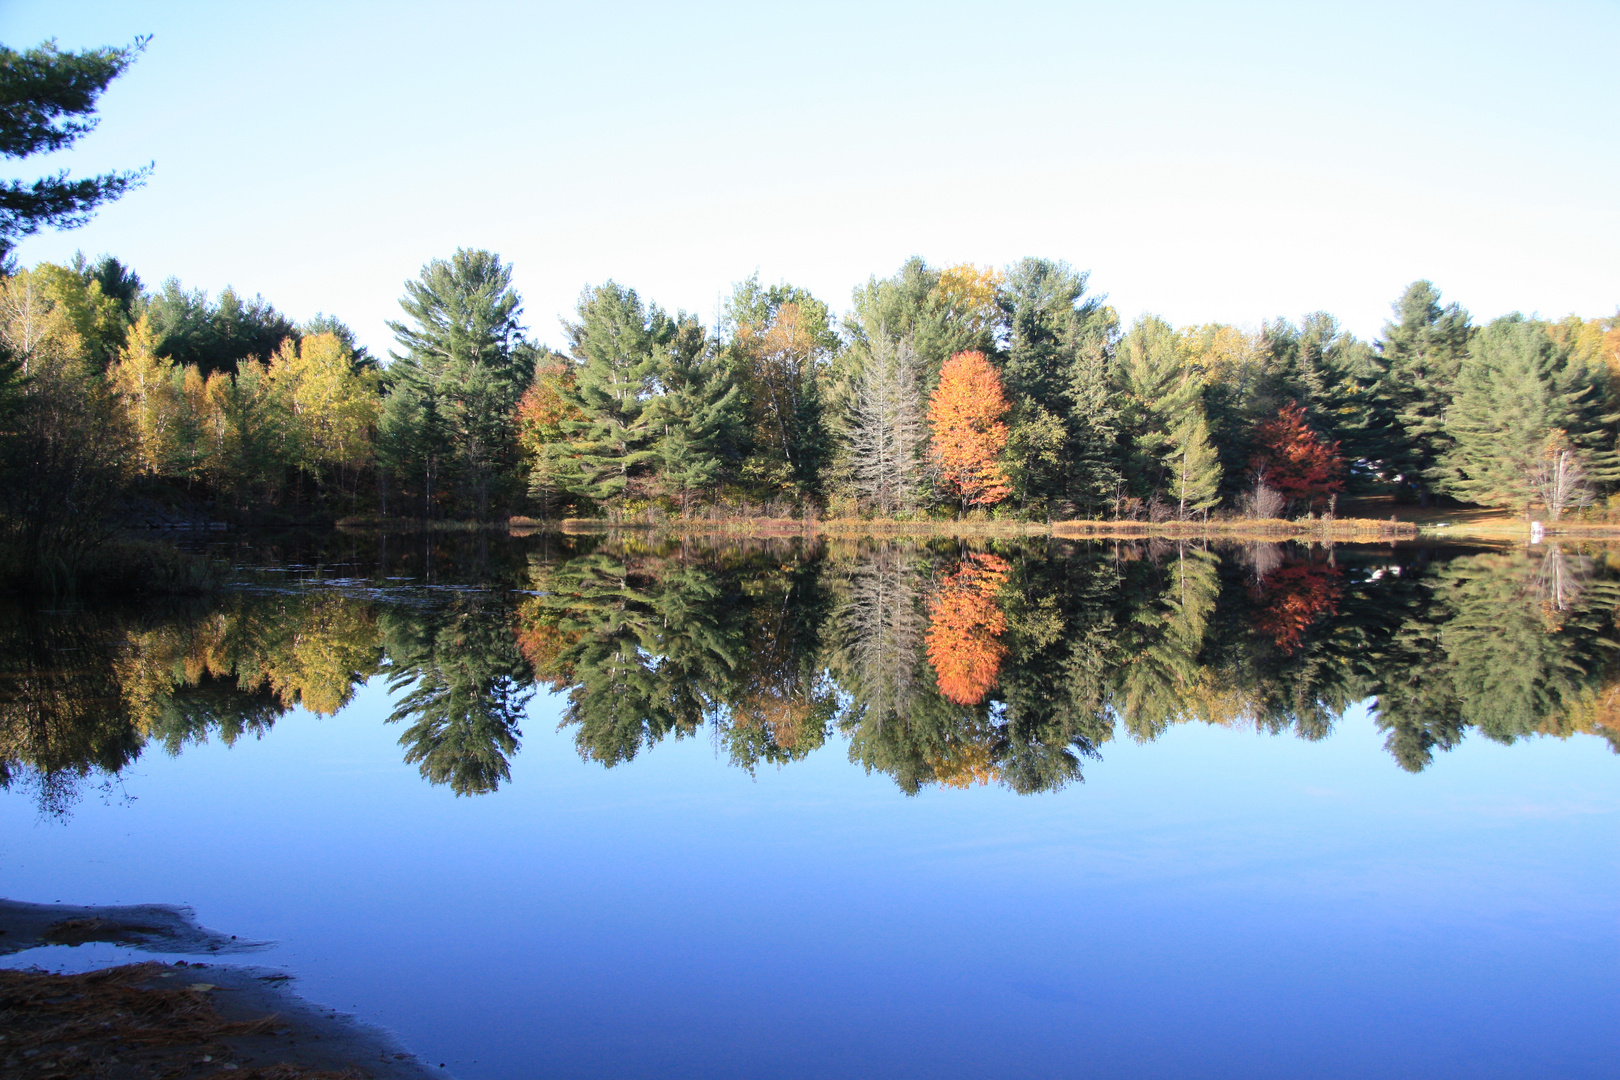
(184, 1019)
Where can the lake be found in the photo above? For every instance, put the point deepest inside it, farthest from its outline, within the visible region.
(628, 806)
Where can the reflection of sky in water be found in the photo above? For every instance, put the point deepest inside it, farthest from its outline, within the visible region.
(1212, 904)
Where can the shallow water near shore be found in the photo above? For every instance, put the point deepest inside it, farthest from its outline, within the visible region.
(1140, 884)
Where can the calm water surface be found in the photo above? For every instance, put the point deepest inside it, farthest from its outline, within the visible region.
(590, 807)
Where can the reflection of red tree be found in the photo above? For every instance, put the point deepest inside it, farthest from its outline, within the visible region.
(964, 629)
(1293, 597)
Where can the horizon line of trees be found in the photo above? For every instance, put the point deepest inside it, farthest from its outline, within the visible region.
(1015, 392)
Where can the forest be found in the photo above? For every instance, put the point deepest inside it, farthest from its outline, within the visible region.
(942, 665)
(941, 392)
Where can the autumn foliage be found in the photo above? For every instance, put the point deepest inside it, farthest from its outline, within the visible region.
(965, 624)
(965, 418)
(1292, 459)
(1293, 597)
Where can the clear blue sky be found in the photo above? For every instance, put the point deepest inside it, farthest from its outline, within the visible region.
(1205, 162)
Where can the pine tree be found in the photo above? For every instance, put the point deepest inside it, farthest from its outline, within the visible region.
(1421, 354)
(698, 415)
(48, 102)
(1093, 432)
(611, 452)
(1053, 330)
(1193, 465)
(1162, 402)
(466, 360)
(1517, 394)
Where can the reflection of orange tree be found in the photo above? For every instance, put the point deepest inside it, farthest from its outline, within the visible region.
(545, 645)
(1295, 596)
(965, 625)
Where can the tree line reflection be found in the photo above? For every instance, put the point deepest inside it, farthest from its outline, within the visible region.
(938, 664)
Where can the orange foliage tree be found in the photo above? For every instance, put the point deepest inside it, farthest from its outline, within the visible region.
(1294, 460)
(541, 413)
(965, 624)
(968, 435)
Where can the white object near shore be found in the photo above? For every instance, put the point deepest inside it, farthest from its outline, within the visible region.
(1537, 532)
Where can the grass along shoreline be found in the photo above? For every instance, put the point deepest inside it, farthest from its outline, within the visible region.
(1341, 530)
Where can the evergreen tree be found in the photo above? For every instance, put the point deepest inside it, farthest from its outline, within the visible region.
(469, 365)
(617, 344)
(1517, 395)
(941, 312)
(1093, 433)
(698, 416)
(1162, 404)
(214, 336)
(1421, 355)
(47, 103)
(1053, 331)
(1193, 466)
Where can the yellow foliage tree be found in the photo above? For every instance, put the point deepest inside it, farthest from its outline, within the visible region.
(35, 329)
(1219, 353)
(152, 400)
(968, 294)
(332, 408)
(96, 318)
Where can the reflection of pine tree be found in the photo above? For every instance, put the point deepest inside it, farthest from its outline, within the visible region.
(1061, 646)
(466, 686)
(1162, 645)
(1407, 670)
(649, 647)
(1517, 660)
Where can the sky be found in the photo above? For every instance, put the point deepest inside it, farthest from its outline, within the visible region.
(1232, 162)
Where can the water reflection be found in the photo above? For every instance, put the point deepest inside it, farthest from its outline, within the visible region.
(941, 664)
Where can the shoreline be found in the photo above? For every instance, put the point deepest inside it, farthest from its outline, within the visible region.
(198, 1018)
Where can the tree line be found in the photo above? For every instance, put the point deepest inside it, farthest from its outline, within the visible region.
(940, 665)
(1013, 392)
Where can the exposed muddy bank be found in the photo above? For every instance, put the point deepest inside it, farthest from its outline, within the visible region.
(179, 1019)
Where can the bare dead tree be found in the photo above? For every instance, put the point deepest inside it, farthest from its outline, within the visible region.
(886, 431)
(1559, 480)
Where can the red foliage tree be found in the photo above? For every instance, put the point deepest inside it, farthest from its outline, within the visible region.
(965, 624)
(968, 435)
(1293, 597)
(1292, 459)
